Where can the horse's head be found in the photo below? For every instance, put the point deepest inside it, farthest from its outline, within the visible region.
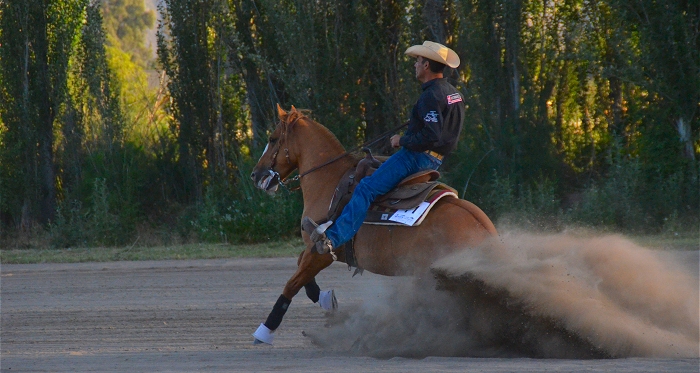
(279, 159)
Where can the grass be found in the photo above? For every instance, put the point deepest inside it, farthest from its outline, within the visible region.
(666, 242)
(287, 248)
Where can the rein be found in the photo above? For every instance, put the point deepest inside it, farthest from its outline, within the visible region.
(285, 182)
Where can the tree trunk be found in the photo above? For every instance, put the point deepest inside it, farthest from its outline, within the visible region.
(616, 107)
(512, 20)
(434, 16)
(255, 95)
(686, 138)
(47, 186)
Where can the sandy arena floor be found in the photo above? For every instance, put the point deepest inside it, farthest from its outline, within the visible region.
(187, 316)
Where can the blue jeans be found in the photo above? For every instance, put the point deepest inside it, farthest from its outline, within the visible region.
(384, 179)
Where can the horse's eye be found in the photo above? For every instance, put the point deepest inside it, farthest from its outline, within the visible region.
(273, 140)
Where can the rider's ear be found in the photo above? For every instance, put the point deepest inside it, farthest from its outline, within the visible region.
(280, 112)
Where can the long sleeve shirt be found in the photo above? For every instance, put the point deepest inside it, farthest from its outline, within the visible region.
(436, 119)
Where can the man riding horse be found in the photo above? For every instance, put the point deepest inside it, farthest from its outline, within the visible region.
(300, 143)
(433, 130)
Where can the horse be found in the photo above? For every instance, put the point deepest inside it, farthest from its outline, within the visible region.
(300, 143)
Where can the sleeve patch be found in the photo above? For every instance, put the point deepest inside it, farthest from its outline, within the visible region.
(453, 98)
(432, 116)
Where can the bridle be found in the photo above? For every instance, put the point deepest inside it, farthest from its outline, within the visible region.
(285, 182)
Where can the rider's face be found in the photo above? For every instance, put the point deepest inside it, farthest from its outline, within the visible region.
(422, 67)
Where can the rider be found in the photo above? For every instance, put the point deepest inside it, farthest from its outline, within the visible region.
(432, 133)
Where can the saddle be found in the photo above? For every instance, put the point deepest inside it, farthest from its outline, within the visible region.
(408, 194)
(412, 192)
(419, 191)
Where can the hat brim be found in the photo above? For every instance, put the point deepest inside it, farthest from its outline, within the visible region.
(423, 51)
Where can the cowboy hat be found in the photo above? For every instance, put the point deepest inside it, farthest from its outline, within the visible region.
(436, 52)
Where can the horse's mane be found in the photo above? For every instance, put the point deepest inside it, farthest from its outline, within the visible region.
(294, 115)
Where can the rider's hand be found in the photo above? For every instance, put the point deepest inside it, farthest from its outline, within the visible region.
(395, 141)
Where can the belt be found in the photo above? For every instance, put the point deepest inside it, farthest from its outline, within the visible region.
(434, 154)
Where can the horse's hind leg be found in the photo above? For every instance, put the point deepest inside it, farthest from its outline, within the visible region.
(310, 264)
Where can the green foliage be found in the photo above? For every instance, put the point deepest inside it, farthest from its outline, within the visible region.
(191, 52)
(628, 198)
(534, 205)
(615, 200)
(68, 230)
(104, 226)
(126, 23)
(246, 219)
(97, 225)
(343, 59)
(578, 112)
(244, 216)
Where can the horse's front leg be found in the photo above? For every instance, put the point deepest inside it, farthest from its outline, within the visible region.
(326, 299)
(310, 264)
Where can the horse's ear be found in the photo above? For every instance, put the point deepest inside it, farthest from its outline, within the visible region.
(293, 108)
(280, 112)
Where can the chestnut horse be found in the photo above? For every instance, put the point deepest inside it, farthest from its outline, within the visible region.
(299, 143)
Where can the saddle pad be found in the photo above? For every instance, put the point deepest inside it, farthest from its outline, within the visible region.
(378, 215)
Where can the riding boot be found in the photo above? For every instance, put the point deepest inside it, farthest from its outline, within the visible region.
(317, 233)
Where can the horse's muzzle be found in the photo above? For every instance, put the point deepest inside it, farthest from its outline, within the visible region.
(268, 180)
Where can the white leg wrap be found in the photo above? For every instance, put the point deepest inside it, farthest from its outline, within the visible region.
(327, 300)
(263, 334)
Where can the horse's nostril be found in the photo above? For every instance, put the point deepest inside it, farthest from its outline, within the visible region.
(252, 175)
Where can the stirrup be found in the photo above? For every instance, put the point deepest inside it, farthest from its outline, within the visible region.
(325, 246)
(317, 233)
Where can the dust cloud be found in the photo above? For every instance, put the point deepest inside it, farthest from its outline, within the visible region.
(527, 295)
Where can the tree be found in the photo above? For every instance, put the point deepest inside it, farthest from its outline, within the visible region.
(667, 63)
(38, 38)
(126, 22)
(192, 52)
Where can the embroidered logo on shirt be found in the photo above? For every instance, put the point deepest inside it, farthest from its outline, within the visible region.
(432, 116)
(455, 97)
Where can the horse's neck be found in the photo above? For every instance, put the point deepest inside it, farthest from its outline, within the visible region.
(318, 186)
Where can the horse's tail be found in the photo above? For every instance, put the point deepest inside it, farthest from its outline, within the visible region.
(478, 214)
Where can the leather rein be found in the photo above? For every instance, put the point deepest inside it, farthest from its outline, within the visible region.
(285, 182)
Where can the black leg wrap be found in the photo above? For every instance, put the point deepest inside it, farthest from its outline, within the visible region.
(312, 290)
(275, 318)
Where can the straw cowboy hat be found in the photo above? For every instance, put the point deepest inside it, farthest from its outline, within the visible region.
(436, 52)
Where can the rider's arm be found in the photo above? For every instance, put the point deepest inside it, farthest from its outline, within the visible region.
(425, 126)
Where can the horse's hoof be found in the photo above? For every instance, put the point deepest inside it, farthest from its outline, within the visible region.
(327, 300)
(263, 335)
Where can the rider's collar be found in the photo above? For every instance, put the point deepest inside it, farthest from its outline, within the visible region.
(427, 84)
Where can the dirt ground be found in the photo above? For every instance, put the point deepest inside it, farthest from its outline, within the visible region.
(187, 316)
